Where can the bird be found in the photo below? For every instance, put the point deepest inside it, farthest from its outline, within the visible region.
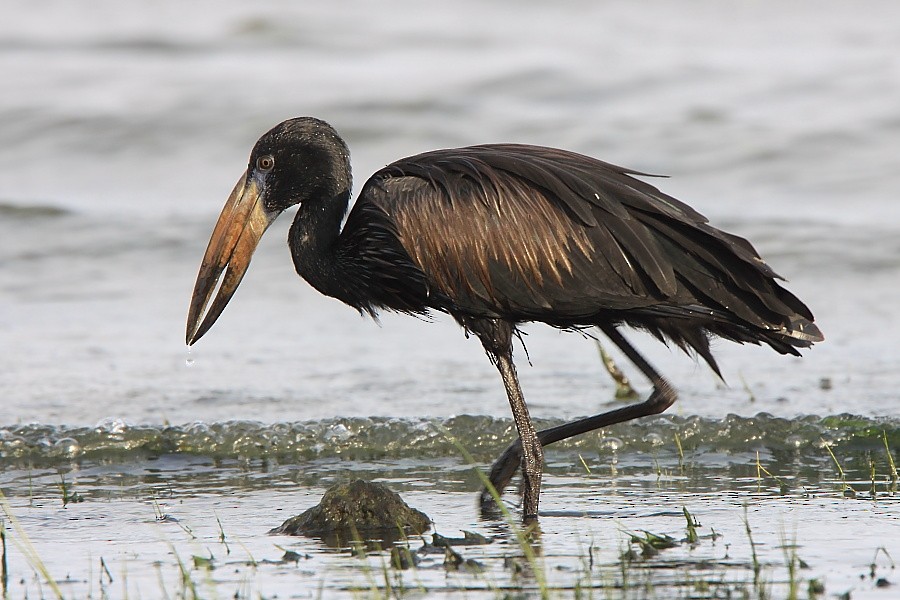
(498, 235)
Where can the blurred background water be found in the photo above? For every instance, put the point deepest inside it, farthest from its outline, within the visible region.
(123, 126)
(122, 130)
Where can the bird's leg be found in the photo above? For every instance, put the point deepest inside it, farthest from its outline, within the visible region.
(496, 337)
(662, 397)
(532, 454)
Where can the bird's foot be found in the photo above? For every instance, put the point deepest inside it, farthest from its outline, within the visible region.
(502, 472)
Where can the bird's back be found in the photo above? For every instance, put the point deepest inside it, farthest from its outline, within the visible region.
(527, 233)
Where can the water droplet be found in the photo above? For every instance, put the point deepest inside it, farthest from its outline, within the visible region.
(111, 425)
(339, 432)
(794, 440)
(68, 447)
(653, 439)
(189, 361)
(612, 444)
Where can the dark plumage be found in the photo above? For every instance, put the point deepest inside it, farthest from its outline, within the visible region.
(501, 234)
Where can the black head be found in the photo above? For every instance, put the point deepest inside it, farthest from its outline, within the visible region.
(298, 160)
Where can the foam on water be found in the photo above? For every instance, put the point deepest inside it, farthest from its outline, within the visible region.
(391, 438)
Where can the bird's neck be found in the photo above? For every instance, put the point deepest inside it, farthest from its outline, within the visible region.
(314, 240)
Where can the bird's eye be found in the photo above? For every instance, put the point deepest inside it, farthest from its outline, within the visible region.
(265, 163)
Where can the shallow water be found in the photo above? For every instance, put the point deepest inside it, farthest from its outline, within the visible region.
(121, 133)
(144, 514)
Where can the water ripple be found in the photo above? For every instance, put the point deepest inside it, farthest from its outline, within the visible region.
(379, 437)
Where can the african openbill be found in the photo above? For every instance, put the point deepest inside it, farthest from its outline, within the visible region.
(498, 235)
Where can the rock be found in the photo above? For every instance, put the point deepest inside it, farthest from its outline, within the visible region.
(357, 510)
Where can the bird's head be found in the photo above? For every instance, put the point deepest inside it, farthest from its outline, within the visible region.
(296, 161)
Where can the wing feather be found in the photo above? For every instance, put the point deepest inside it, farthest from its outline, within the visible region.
(532, 233)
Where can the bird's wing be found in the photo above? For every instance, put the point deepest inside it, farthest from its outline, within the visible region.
(534, 233)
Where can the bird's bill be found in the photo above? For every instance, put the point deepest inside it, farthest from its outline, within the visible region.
(242, 223)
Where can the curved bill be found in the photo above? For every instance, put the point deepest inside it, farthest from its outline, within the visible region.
(236, 235)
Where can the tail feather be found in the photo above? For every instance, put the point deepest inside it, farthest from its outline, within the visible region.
(804, 330)
(690, 328)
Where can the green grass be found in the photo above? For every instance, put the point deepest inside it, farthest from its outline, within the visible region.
(624, 389)
(68, 496)
(892, 467)
(640, 572)
(24, 545)
(525, 537)
(783, 487)
(4, 566)
(846, 488)
(692, 525)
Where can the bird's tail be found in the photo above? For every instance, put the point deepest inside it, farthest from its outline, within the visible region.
(804, 331)
(691, 332)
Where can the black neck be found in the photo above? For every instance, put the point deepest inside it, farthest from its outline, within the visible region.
(314, 239)
(363, 265)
